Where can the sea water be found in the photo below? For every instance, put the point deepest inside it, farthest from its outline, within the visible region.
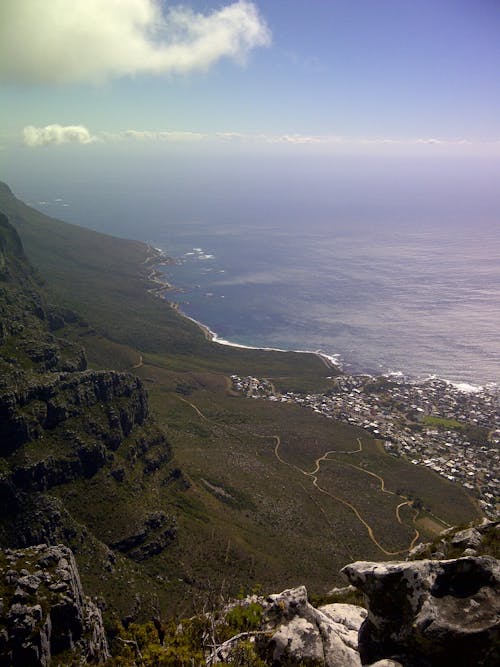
(422, 302)
(389, 267)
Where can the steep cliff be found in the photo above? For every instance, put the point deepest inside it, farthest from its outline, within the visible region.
(71, 438)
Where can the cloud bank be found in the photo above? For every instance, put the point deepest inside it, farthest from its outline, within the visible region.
(57, 134)
(79, 134)
(170, 135)
(91, 40)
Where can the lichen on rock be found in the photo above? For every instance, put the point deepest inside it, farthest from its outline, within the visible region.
(430, 612)
(293, 632)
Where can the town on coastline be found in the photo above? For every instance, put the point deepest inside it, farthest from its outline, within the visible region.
(432, 423)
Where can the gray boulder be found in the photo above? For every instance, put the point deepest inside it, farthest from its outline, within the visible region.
(293, 632)
(467, 539)
(430, 613)
(44, 612)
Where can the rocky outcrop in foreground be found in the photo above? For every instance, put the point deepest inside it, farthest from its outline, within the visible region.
(44, 616)
(426, 613)
(420, 614)
(293, 632)
(430, 613)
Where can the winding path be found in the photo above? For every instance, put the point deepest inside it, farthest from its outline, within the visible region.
(313, 475)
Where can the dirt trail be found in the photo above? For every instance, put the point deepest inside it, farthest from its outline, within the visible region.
(344, 502)
(197, 410)
(398, 516)
(373, 474)
(313, 476)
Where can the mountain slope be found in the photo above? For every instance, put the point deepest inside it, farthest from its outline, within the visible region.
(251, 494)
(107, 280)
(64, 427)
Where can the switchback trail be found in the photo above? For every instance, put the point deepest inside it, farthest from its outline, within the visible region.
(313, 476)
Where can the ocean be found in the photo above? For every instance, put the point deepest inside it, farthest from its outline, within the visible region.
(387, 267)
(380, 300)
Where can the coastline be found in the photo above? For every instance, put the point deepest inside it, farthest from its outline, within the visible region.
(158, 257)
(330, 361)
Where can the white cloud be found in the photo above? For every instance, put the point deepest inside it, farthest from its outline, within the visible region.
(56, 134)
(378, 141)
(231, 136)
(430, 142)
(62, 41)
(173, 136)
(79, 134)
(304, 139)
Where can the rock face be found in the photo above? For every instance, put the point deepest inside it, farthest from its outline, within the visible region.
(293, 632)
(430, 613)
(48, 401)
(467, 539)
(156, 532)
(61, 424)
(44, 613)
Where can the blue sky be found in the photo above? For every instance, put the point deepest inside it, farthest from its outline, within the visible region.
(360, 108)
(330, 73)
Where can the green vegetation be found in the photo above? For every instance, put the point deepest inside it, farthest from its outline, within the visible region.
(186, 642)
(105, 279)
(475, 434)
(141, 643)
(242, 618)
(230, 490)
(343, 597)
(441, 422)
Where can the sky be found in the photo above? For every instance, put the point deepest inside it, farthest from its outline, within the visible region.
(88, 85)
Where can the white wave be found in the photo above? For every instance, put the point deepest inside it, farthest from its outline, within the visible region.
(466, 387)
(214, 337)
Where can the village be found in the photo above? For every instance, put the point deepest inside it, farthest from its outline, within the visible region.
(452, 430)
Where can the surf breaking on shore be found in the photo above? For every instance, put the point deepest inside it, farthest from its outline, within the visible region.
(156, 257)
(331, 361)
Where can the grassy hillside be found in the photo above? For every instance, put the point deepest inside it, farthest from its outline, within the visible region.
(262, 493)
(106, 280)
